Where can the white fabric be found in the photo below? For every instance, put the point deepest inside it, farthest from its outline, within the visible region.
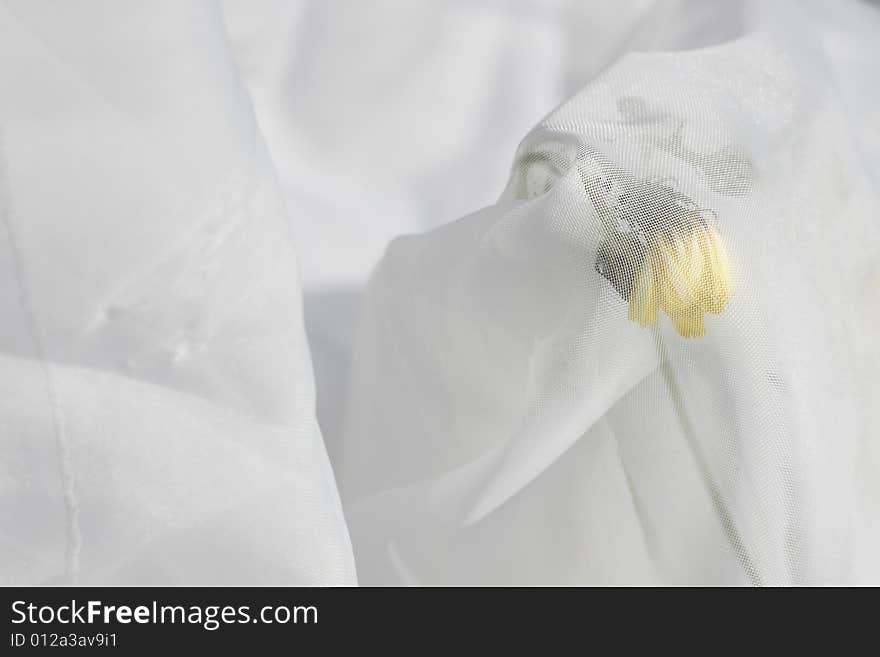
(157, 412)
(492, 413)
(509, 424)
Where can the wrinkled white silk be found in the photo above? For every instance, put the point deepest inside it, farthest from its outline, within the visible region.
(491, 412)
(157, 405)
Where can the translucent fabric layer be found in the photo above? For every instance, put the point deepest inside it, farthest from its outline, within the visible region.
(655, 359)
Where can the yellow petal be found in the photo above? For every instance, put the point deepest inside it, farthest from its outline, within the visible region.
(681, 273)
(686, 276)
(689, 324)
(643, 301)
(721, 288)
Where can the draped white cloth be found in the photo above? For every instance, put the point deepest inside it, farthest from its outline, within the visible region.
(651, 357)
(157, 405)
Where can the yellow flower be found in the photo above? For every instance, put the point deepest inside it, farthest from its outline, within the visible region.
(686, 276)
